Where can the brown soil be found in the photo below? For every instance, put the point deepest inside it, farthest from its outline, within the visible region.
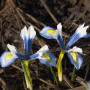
(15, 14)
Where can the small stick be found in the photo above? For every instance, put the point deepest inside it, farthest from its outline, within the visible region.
(68, 82)
(33, 18)
(48, 10)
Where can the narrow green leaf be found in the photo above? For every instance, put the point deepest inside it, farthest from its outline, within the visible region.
(27, 74)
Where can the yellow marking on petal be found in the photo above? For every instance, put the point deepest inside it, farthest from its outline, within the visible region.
(51, 32)
(74, 56)
(59, 65)
(46, 57)
(8, 57)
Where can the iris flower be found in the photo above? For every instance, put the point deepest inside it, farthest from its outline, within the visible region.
(45, 57)
(73, 53)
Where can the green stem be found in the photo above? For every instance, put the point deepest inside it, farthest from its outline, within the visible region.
(54, 75)
(73, 74)
(27, 74)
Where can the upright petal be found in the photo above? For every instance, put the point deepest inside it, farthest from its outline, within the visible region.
(79, 33)
(31, 32)
(58, 31)
(48, 59)
(58, 35)
(14, 52)
(47, 32)
(6, 59)
(60, 41)
(75, 59)
(27, 36)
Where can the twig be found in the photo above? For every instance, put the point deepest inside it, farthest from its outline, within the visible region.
(68, 82)
(78, 88)
(4, 86)
(81, 81)
(48, 10)
(87, 70)
(33, 18)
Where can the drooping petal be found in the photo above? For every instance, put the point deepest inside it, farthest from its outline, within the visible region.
(79, 33)
(48, 59)
(87, 35)
(6, 59)
(75, 59)
(27, 36)
(39, 53)
(76, 49)
(14, 52)
(47, 32)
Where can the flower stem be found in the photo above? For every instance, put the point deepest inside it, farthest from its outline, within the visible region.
(27, 74)
(54, 75)
(73, 74)
(59, 65)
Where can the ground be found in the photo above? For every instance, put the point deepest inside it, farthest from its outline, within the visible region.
(15, 14)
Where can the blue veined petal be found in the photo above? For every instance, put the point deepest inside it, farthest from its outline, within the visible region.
(47, 32)
(34, 56)
(77, 63)
(87, 36)
(28, 36)
(6, 59)
(27, 46)
(59, 38)
(48, 59)
(79, 33)
(21, 56)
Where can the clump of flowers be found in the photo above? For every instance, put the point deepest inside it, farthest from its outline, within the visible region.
(45, 57)
(73, 53)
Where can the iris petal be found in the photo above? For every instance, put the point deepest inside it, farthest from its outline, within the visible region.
(34, 56)
(48, 59)
(47, 32)
(27, 46)
(60, 41)
(87, 36)
(75, 59)
(6, 59)
(27, 36)
(79, 33)
(14, 52)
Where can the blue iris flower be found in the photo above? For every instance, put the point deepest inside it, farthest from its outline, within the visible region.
(73, 53)
(8, 57)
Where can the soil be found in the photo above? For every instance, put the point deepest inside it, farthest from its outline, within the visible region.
(15, 14)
